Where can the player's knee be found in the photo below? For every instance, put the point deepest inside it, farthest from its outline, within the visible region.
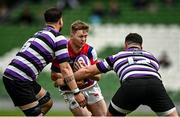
(34, 111)
(46, 100)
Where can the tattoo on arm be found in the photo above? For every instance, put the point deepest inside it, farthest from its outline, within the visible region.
(69, 78)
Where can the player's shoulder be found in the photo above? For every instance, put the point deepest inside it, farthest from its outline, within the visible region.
(89, 48)
(86, 45)
(61, 38)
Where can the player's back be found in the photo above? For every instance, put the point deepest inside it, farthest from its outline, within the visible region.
(135, 63)
(35, 54)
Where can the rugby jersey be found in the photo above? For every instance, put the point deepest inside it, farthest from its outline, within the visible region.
(87, 50)
(36, 53)
(133, 62)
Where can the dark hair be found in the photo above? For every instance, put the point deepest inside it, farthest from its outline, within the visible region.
(52, 15)
(134, 38)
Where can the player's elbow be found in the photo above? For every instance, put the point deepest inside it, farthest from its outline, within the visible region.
(97, 77)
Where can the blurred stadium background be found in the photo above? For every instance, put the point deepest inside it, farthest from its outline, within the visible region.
(111, 20)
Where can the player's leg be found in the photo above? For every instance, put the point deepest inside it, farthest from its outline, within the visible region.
(79, 111)
(109, 114)
(96, 104)
(23, 96)
(45, 101)
(43, 97)
(127, 98)
(159, 101)
(173, 113)
(32, 109)
(98, 109)
(74, 106)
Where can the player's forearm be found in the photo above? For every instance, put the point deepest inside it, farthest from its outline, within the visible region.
(86, 72)
(86, 75)
(81, 74)
(68, 75)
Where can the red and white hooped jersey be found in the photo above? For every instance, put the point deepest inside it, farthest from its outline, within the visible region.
(87, 50)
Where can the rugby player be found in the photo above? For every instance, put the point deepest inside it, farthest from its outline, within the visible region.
(139, 77)
(77, 46)
(20, 75)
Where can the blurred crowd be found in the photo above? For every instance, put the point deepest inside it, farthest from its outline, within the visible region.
(7, 6)
(113, 10)
(109, 10)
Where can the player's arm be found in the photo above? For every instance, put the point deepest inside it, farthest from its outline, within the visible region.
(55, 75)
(86, 72)
(57, 78)
(79, 65)
(68, 75)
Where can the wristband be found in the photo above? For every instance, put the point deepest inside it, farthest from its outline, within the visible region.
(76, 91)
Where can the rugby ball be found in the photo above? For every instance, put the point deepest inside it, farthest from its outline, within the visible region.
(82, 58)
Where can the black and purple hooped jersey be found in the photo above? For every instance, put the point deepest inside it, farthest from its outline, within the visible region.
(36, 53)
(131, 63)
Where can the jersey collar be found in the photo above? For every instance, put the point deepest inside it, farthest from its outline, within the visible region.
(133, 49)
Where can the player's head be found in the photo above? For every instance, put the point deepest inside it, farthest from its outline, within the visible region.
(79, 25)
(133, 40)
(53, 16)
(79, 32)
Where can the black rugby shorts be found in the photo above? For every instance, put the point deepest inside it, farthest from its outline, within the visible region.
(21, 92)
(134, 92)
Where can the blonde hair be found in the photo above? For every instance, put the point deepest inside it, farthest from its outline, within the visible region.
(79, 25)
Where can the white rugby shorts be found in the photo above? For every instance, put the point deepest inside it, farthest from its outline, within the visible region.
(92, 94)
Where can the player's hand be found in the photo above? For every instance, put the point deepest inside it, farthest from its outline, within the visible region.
(59, 82)
(80, 99)
(78, 65)
(55, 76)
(80, 83)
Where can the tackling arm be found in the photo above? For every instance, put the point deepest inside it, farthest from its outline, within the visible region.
(87, 72)
(78, 65)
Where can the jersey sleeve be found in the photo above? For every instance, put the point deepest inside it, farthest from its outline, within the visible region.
(61, 51)
(93, 56)
(105, 65)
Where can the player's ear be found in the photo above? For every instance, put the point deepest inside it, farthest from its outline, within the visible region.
(141, 47)
(126, 45)
(60, 21)
(72, 33)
